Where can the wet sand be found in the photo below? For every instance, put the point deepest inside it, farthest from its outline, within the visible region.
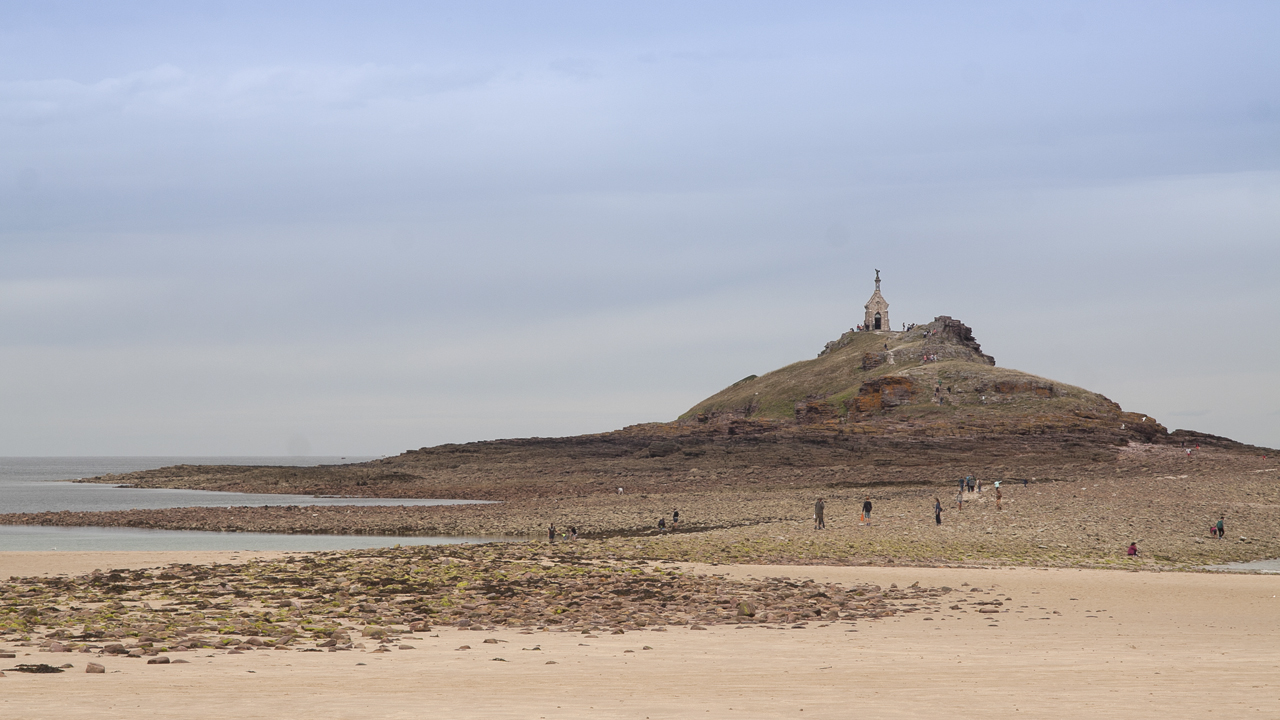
(1068, 643)
(57, 562)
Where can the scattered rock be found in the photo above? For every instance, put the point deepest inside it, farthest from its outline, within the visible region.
(36, 668)
(95, 668)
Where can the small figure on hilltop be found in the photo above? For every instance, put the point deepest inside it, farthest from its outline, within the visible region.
(819, 511)
(866, 510)
(1133, 550)
(573, 532)
(662, 524)
(675, 519)
(551, 533)
(1222, 531)
(937, 510)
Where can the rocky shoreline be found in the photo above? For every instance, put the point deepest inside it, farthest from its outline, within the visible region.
(1081, 516)
(374, 599)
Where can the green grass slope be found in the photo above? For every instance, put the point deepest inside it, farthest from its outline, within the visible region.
(932, 374)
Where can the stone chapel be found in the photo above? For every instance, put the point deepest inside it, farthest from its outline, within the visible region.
(877, 310)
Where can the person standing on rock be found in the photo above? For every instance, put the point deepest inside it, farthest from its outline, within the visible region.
(819, 511)
(551, 533)
(866, 510)
(937, 510)
(675, 519)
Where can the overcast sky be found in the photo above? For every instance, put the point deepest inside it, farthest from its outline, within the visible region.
(271, 228)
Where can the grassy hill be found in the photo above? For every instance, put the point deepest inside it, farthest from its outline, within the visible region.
(933, 378)
(915, 407)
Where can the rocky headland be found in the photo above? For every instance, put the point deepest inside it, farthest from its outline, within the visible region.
(897, 416)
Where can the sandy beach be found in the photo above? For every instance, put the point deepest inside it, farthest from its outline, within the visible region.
(1065, 642)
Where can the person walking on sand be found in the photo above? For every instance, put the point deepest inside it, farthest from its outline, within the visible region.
(866, 511)
(937, 510)
(819, 509)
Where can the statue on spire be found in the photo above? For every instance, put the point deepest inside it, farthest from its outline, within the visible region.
(877, 278)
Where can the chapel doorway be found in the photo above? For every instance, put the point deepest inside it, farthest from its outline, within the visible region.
(877, 323)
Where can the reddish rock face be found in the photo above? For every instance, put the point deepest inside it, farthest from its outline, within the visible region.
(881, 393)
(816, 412)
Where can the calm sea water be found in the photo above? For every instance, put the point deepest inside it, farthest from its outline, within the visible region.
(35, 484)
(1265, 566)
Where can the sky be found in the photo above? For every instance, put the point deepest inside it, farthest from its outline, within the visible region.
(358, 228)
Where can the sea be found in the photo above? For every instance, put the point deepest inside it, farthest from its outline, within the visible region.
(1270, 567)
(40, 484)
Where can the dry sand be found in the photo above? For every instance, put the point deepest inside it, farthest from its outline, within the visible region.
(1088, 643)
